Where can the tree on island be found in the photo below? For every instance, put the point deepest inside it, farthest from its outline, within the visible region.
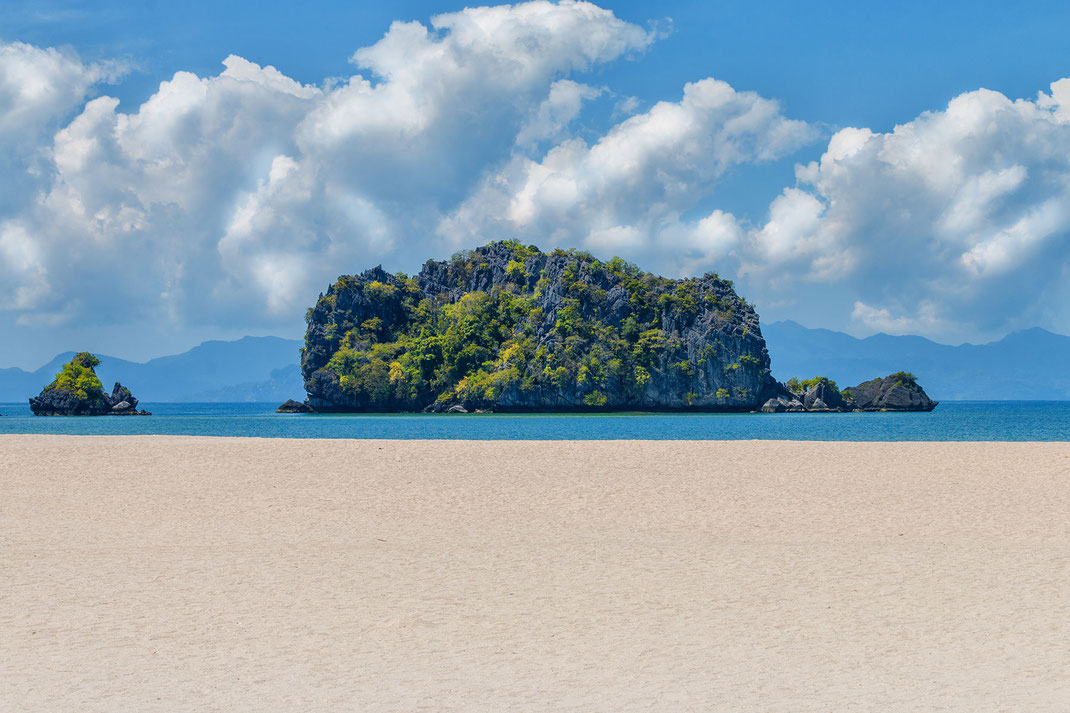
(77, 391)
(78, 378)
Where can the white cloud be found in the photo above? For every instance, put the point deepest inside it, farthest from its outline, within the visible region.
(629, 189)
(713, 242)
(441, 103)
(41, 86)
(959, 217)
(617, 239)
(39, 89)
(235, 198)
(878, 319)
(20, 254)
(625, 106)
(556, 111)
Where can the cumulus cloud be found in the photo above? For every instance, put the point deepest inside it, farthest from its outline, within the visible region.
(39, 89)
(556, 112)
(627, 191)
(441, 102)
(957, 220)
(41, 86)
(152, 190)
(234, 198)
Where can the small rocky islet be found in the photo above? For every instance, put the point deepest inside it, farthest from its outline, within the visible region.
(895, 392)
(508, 328)
(77, 391)
(291, 406)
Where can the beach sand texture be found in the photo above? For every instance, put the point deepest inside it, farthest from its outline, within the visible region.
(213, 574)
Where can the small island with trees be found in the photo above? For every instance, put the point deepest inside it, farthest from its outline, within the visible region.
(77, 391)
(507, 327)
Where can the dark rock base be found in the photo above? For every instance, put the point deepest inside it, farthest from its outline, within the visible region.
(292, 406)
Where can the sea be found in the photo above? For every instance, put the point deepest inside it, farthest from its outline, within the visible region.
(951, 421)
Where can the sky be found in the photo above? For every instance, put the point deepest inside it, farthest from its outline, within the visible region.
(175, 172)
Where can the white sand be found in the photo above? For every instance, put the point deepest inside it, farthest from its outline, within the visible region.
(182, 574)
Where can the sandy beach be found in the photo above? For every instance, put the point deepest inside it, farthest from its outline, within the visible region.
(203, 574)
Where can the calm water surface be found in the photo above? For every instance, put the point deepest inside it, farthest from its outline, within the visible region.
(951, 421)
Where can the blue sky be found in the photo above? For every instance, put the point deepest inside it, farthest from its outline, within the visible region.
(846, 63)
(232, 200)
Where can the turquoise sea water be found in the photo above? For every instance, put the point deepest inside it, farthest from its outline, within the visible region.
(951, 421)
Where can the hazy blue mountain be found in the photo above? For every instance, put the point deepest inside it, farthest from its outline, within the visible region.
(249, 369)
(1031, 364)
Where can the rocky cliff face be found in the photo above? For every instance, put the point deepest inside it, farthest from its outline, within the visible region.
(509, 328)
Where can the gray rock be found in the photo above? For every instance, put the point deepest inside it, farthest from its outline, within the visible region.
(291, 406)
(121, 395)
(895, 392)
(824, 394)
(60, 402)
(774, 406)
(456, 408)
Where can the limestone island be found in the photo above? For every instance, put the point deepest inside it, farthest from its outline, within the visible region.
(76, 391)
(896, 392)
(508, 328)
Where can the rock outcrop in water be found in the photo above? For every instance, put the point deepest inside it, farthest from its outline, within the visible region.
(76, 391)
(896, 392)
(291, 406)
(509, 328)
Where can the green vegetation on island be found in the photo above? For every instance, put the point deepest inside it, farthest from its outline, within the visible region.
(79, 378)
(801, 386)
(77, 391)
(509, 327)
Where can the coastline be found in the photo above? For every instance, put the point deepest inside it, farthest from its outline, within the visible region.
(194, 572)
(951, 421)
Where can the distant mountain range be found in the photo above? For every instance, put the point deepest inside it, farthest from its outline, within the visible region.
(249, 369)
(1033, 364)
(1030, 365)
